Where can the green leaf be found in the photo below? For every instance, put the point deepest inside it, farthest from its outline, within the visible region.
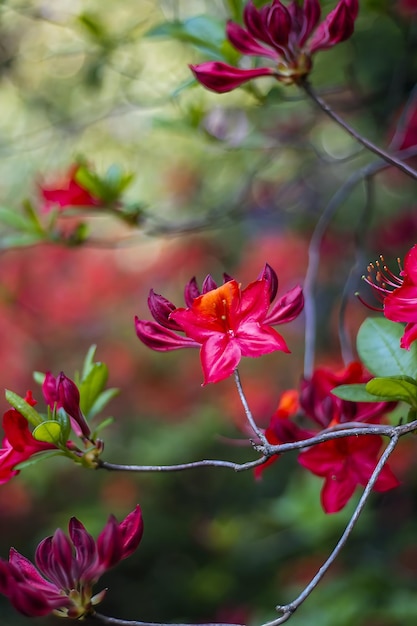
(102, 425)
(20, 240)
(38, 457)
(65, 424)
(378, 345)
(92, 386)
(204, 32)
(39, 377)
(23, 407)
(355, 393)
(89, 181)
(49, 432)
(89, 361)
(102, 400)
(11, 217)
(394, 388)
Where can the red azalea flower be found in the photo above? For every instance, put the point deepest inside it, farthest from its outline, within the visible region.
(398, 294)
(18, 443)
(323, 407)
(289, 36)
(67, 568)
(226, 322)
(63, 393)
(281, 429)
(345, 464)
(67, 192)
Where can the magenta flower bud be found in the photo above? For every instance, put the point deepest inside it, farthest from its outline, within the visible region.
(68, 567)
(63, 393)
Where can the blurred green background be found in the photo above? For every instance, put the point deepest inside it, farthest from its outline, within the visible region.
(228, 183)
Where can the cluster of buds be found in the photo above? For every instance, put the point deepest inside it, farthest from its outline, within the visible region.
(67, 568)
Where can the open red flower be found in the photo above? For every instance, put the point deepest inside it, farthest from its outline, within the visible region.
(68, 567)
(18, 443)
(67, 192)
(287, 35)
(318, 403)
(345, 464)
(398, 294)
(226, 322)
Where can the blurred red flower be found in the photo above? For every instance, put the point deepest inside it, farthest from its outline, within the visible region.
(67, 192)
(18, 443)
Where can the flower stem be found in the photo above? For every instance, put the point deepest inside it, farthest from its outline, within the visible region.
(389, 158)
(258, 432)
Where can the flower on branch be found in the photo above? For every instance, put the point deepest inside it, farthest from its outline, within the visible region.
(287, 35)
(67, 568)
(62, 392)
(67, 192)
(398, 294)
(225, 322)
(346, 462)
(18, 443)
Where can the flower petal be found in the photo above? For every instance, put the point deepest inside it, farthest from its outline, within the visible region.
(245, 43)
(220, 356)
(220, 77)
(161, 339)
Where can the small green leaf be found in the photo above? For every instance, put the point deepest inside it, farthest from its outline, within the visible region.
(49, 432)
(102, 425)
(355, 393)
(38, 457)
(92, 386)
(379, 349)
(394, 388)
(89, 361)
(23, 407)
(103, 399)
(20, 240)
(65, 424)
(38, 377)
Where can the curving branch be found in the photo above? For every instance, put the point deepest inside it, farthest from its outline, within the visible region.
(389, 158)
(287, 610)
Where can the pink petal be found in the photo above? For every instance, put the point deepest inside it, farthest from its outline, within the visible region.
(335, 494)
(220, 356)
(338, 26)
(220, 77)
(286, 308)
(255, 340)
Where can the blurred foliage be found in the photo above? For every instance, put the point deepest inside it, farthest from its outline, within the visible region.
(226, 183)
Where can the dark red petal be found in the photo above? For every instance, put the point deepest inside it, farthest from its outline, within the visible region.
(287, 308)
(245, 43)
(161, 339)
(160, 309)
(131, 529)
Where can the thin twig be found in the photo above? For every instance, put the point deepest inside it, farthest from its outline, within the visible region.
(389, 158)
(351, 429)
(258, 432)
(237, 467)
(114, 621)
(288, 609)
